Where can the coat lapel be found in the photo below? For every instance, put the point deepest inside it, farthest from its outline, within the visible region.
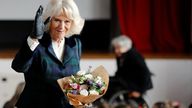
(51, 51)
(68, 51)
(46, 41)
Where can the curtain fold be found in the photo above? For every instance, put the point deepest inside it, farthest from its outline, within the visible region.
(153, 25)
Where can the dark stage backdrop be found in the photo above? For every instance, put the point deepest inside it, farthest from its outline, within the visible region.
(95, 35)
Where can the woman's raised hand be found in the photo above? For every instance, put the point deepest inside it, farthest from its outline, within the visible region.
(39, 24)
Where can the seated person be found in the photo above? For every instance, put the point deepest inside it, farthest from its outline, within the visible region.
(132, 72)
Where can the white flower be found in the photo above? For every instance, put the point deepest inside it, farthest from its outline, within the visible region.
(81, 72)
(98, 80)
(84, 92)
(94, 92)
(89, 76)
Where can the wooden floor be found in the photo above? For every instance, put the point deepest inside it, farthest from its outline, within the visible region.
(96, 55)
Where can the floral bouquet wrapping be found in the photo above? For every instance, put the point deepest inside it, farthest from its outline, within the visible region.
(85, 87)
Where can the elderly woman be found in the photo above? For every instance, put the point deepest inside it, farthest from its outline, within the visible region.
(132, 73)
(49, 53)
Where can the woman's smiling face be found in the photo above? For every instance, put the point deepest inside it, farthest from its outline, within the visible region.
(59, 26)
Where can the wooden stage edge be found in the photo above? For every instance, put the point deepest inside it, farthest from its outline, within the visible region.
(9, 54)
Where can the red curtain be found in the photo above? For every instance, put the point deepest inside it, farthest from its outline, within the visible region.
(153, 25)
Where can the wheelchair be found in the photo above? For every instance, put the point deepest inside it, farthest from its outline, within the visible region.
(118, 95)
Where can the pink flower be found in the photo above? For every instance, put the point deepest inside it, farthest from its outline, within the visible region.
(75, 86)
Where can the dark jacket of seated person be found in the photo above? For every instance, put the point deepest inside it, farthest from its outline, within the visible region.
(132, 69)
(132, 72)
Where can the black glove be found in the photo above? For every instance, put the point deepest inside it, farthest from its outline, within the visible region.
(39, 25)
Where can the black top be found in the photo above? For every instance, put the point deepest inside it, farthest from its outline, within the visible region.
(133, 70)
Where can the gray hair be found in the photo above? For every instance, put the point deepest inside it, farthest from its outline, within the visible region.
(123, 41)
(70, 8)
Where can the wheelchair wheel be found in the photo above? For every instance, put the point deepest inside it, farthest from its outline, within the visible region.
(122, 97)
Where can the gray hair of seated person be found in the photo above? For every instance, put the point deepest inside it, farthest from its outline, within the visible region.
(123, 41)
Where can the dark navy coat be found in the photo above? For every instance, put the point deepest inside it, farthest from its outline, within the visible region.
(41, 70)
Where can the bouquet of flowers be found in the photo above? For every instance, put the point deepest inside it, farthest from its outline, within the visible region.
(85, 87)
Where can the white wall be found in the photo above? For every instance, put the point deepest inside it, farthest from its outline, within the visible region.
(172, 78)
(25, 9)
(7, 88)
